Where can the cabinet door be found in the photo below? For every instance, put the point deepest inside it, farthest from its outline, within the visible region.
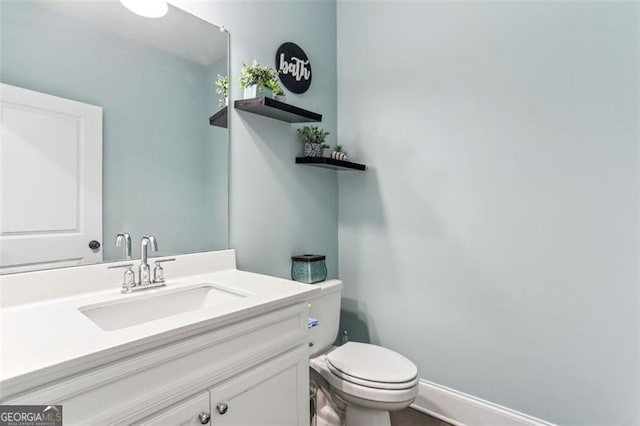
(274, 394)
(183, 413)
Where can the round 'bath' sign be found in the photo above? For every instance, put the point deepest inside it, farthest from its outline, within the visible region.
(293, 67)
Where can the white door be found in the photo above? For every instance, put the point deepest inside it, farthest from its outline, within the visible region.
(50, 181)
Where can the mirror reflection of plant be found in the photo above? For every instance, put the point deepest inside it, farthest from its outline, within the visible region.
(222, 87)
(313, 134)
(256, 74)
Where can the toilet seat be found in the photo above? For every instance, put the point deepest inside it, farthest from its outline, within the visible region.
(372, 366)
(401, 375)
(370, 383)
(366, 396)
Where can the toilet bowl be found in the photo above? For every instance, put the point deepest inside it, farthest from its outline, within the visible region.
(363, 381)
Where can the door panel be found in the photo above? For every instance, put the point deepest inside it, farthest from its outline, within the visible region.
(50, 181)
(275, 394)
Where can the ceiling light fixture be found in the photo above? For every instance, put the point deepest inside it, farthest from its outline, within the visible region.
(147, 8)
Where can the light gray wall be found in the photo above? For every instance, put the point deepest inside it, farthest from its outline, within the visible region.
(159, 167)
(279, 209)
(494, 239)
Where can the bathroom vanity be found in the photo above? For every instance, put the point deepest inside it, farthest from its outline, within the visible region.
(216, 345)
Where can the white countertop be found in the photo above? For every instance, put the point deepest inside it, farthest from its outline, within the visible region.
(49, 336)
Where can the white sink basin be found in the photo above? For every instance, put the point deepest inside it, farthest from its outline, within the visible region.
(149, 307)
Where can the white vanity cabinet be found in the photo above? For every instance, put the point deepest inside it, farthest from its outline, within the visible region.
(269, 394)
(256, 368)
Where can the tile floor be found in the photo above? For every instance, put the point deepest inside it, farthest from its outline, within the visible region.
(410, 417)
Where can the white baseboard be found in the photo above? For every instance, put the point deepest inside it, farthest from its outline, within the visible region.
(461, 409)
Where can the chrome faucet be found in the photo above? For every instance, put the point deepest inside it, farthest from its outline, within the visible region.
(144, 271)
(124, 239)
(129, 283)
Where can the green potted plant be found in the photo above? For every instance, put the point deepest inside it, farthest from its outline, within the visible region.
(338, 153)
(278, 93)
(313, 138)
(256, 79)
(222, 88)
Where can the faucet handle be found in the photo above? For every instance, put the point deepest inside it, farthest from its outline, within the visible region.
(158, 272)
(124, 265)
(129, 279)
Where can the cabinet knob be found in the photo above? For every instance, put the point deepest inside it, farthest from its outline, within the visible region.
(204, 418)
(222, 407)
(94, 245)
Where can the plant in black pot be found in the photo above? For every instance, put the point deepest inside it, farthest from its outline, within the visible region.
(257, 80)
(313, 138)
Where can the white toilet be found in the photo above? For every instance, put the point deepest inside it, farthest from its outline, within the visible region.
(364, 382)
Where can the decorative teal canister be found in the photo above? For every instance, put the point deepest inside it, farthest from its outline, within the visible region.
(308, 268)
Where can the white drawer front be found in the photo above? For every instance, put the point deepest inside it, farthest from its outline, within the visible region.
(183, 413)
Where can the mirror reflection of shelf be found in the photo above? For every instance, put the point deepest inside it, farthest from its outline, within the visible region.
(219, 119)
(277, 110)
(330, 163)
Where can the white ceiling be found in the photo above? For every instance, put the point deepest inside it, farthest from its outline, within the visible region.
(178, 32)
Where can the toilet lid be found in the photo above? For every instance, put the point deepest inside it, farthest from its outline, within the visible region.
(372, 363)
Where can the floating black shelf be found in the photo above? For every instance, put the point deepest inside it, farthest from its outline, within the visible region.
(330, 163)
(219, 119)
(277, 110)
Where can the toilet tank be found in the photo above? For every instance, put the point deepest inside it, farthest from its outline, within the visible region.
(324, 307)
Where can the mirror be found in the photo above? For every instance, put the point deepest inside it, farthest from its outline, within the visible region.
(105, 129)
